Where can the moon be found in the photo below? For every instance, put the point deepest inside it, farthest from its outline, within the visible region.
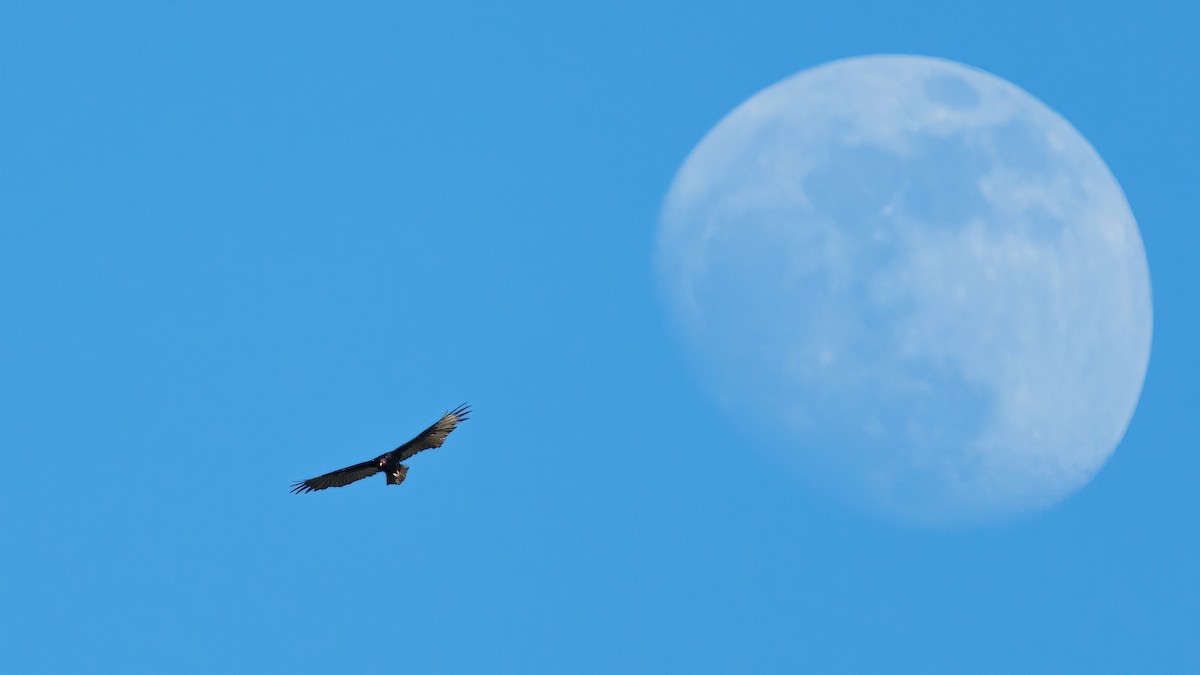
(918, 283)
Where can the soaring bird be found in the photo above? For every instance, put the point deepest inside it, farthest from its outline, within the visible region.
(389, 462)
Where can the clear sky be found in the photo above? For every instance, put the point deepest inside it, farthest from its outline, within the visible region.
(246, 243)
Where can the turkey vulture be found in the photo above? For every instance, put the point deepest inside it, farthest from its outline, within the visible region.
(389, 462)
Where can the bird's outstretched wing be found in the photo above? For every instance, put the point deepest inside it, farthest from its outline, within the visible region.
(339, 478)
(434, 436)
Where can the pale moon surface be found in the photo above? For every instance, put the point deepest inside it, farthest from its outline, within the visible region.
(918, 281)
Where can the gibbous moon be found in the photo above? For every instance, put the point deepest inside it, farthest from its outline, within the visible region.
(917, 281)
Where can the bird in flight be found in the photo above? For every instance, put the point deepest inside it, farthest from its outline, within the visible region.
(389, 462)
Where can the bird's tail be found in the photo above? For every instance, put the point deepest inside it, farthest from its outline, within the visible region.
(397, 477)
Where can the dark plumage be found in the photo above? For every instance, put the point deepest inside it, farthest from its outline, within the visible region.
(389, 462)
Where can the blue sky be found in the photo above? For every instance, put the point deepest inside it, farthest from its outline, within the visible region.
(247, 243)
